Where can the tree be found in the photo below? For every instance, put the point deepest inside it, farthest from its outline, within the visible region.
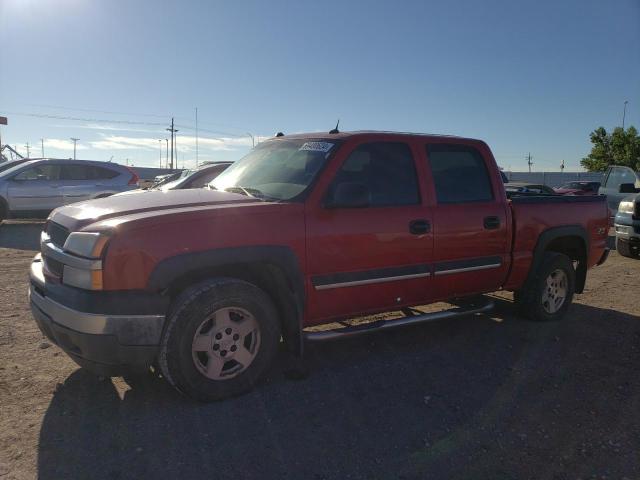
(617, 148)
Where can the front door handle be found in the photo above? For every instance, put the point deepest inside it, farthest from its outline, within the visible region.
(491, 223)
(419, 227)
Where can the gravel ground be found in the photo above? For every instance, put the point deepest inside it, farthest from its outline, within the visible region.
(484, 397)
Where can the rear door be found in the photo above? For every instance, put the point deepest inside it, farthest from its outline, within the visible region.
(36, 188)
(376, 256)
(470, 221)
(78, 184)
(84, 181)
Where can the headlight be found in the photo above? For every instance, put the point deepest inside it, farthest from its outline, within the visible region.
(625, 206)
(86, 244)
(81, 278)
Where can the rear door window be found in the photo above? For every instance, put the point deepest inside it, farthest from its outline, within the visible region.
(102, 173)
(459, 173)
(627, 176)
(76, 172)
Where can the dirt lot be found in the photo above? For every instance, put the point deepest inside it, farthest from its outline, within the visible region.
(484, 397)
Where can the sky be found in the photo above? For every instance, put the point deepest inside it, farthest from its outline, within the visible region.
(525, 76)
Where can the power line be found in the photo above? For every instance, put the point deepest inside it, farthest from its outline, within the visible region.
(215, 132)
(120, 122)
(58, 107)
(132, 114)
(82, 119)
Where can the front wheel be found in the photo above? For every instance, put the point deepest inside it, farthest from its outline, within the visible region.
(551, 291)
(221, 336)
(625, 249)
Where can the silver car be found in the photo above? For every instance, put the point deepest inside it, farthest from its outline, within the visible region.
(34, 188)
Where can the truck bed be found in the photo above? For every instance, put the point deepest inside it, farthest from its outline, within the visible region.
(533, 215)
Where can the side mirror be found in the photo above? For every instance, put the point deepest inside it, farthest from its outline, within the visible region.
(627, 188)
(349, 195)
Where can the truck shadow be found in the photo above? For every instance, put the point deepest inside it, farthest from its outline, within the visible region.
(443, 399)
(24, 235)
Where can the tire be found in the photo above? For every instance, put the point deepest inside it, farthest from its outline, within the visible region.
(3, 210)
(212, 357)
(625, 249)
(551, 291)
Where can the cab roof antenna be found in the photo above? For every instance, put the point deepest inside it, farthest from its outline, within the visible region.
(335, 130)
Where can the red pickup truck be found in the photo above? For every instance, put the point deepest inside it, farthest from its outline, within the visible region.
(304, 230)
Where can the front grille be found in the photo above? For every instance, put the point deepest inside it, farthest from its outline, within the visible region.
(54, 266)
(57, 233)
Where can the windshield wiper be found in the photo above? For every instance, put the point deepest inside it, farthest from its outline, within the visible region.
(250, 192)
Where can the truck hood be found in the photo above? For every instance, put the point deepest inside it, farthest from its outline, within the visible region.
(77, 215)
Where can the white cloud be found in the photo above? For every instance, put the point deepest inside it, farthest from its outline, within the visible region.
(62, 144)
(184, 143)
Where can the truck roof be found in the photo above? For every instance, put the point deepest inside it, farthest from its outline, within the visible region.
(359, 133)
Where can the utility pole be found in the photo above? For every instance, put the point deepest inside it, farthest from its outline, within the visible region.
(160, 142)
(624, 113)
(196, 137)
(74, 140)
(529, 162)
(173, 132)
(28, 151)
(42, 146)
(562, 167)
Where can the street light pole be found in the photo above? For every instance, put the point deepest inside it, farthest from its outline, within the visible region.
(42, 146)
(167, 140)
(74, 140)
(624, 113)
(160, 142)
(253, 142)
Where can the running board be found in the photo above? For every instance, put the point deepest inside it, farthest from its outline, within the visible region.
(378, 325)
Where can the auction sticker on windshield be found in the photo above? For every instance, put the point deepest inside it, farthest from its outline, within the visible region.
(317, 146)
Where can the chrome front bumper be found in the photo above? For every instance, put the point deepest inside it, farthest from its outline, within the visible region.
(106, 344)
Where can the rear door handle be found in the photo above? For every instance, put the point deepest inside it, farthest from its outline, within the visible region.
(419, 227)
(491, 223)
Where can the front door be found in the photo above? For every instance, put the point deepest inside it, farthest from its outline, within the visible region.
(369, 239)
(611, 188)
(36, 189)
(470, 223)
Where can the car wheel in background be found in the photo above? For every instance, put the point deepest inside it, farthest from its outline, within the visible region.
(3, 210)
(625, 249)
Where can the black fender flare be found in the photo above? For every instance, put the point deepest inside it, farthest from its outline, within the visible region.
(289, 283)
(545, 239)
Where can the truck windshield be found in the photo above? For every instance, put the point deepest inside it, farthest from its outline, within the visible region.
(277, 169)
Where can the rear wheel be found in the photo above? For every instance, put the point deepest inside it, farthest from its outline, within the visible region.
(551, 291)
(220, 337)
